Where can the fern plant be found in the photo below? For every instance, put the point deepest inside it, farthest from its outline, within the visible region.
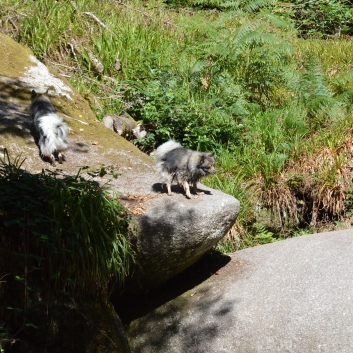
(255, 58)
(314, 92)
(248, 5)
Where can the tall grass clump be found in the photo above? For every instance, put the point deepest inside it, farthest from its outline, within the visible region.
(58, 234)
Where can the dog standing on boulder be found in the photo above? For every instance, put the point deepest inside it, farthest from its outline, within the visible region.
(183, 165)
(51, 128)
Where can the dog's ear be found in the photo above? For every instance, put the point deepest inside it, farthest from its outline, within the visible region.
(211, 154)
(200, 161)
(47, 93)
(33, 93)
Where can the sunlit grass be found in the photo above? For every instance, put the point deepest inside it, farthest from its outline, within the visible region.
(334, 55)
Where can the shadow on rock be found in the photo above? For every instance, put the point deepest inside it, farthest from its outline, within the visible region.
(14, 118)
(131, 308)
(176, 189)
(171, 326)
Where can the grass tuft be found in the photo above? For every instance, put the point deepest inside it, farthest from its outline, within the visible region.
(63, 233)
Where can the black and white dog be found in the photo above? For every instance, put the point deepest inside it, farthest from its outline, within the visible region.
(51, 128)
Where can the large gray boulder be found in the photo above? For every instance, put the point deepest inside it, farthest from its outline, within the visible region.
(173, 232)
(292, 296)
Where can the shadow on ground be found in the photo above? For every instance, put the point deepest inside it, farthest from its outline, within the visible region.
(181, 316)
(131, 308)
(14, 116)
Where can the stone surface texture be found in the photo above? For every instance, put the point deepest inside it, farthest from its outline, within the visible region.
(293, 296)
(174, 232)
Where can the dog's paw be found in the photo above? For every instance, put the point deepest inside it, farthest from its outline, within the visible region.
(190, 197)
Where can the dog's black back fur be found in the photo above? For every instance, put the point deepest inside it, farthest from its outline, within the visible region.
(42, 107)
(172, 159)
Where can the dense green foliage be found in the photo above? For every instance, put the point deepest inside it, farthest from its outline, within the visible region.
(246, 5)
(323, 18)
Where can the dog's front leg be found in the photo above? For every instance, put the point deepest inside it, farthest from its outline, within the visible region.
(197, 192)
(187, 189)
(169, 188)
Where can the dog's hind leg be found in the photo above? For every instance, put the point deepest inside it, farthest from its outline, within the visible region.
(198, 192)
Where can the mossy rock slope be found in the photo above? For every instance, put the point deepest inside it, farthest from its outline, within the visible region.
(90, 142)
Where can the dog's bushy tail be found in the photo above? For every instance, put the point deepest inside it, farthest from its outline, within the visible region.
(164, 149)
(55, 131)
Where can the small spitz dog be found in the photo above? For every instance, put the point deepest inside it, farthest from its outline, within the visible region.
(183, 165)
(51, 128)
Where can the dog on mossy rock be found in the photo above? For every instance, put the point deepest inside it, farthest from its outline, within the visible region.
(51, 128)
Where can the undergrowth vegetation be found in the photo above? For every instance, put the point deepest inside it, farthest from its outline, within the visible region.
(252, 80)
(58, 234)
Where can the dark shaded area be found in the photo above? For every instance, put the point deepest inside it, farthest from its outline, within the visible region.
(80, 147)
(134, 307)
(181, 323)
(59, 312)
(196, 334)
(163, 222)
(161, 253)
(70, 327)
(159, 187)
(172, 235)
(13, 118)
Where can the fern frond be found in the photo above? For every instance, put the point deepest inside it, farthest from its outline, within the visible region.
(249, 6)
(315, 93)
(313, 82)
(277, 21)
(255, 5)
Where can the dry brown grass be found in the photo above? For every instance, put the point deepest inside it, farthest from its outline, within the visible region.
(316, 188)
